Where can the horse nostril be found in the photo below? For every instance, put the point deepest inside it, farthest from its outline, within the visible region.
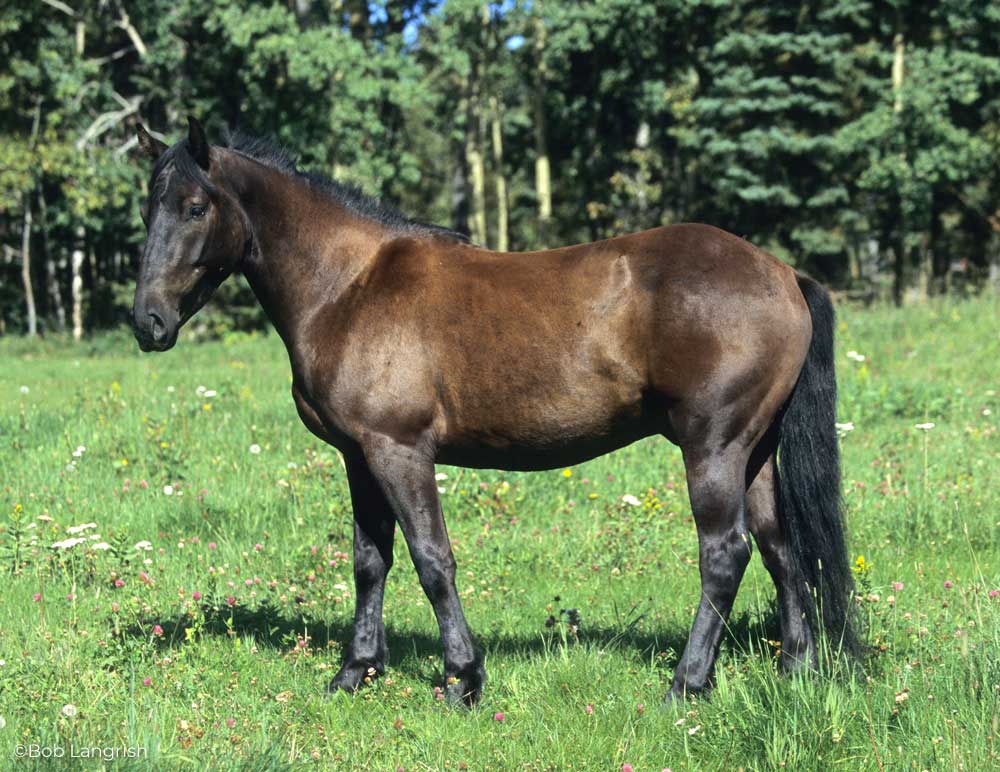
(159, 328)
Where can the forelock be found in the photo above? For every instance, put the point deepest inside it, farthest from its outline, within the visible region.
(178, 158)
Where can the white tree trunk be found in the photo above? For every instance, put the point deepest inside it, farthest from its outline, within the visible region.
(477, 169)
(77, 264)
(29, 292)
(898, 51)
(501, 178)
(51, 269)
(543, 173)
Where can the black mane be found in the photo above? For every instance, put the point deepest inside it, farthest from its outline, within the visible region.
(350, 196)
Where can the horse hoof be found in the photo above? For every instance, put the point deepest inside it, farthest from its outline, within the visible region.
(354, 675)
(679, 697)
(797, 659)
(465, 690)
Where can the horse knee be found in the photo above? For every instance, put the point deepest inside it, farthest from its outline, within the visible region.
(720, 516)
(719, 506)
(725, 556)
(436, 574)
(370, 572)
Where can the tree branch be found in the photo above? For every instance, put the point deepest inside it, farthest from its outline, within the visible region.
(60, 6)
(105, 121)
(123, 149)
(110, 57)
(133, 33)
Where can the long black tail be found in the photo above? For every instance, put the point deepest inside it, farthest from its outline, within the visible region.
(809, 486)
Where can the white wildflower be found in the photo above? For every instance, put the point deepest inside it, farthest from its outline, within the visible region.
(81, 528)
(80, 450)
(168, 490)
(69, 710)
(68, 544)
(25, 389)
(255, 449)
(844, 428)
(925, 427)
(209, 393)
(200, 391)
(441, 490)
(440, 476)
(631, 500)
(143, 546)
(855, 356)
(171, 389)
(3, 722)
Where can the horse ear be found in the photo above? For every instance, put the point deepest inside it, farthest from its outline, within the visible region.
(197, 142)
(149, 144)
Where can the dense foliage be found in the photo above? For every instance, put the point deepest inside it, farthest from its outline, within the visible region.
(857, 139)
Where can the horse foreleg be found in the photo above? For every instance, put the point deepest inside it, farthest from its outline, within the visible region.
(374, 529)
(716, 484)
(406, 475)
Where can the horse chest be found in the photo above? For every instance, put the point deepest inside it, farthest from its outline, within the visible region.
(310, 414)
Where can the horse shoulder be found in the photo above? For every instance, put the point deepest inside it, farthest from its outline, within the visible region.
(367, 371)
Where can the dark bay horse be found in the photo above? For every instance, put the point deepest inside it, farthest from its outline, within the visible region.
(410, 346)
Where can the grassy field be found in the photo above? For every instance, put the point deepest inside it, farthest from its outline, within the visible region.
(174, 547)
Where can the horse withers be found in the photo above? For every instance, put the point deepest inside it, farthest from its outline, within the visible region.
(410, 346)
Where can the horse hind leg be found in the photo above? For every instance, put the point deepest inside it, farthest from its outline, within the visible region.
(798, 649)
(717, 488)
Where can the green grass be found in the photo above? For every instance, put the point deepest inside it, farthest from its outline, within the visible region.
(241, 685)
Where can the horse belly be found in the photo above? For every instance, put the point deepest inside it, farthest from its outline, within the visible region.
(532, 458)
(537, 429)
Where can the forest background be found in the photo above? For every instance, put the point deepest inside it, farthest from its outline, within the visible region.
(857, 139)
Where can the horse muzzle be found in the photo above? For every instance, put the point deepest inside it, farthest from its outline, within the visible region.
(154, 330)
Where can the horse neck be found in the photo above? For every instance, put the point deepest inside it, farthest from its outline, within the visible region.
(307, 248)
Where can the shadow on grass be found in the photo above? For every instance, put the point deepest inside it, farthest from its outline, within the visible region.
(272, 627)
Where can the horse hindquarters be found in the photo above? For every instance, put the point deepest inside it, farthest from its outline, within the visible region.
(793, 508)
(721, 421)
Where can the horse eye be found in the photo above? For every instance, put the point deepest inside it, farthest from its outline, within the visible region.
(197, 211)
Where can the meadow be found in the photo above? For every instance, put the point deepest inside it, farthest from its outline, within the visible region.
(175, 553)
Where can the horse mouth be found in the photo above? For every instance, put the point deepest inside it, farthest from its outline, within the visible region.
(149, 342)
